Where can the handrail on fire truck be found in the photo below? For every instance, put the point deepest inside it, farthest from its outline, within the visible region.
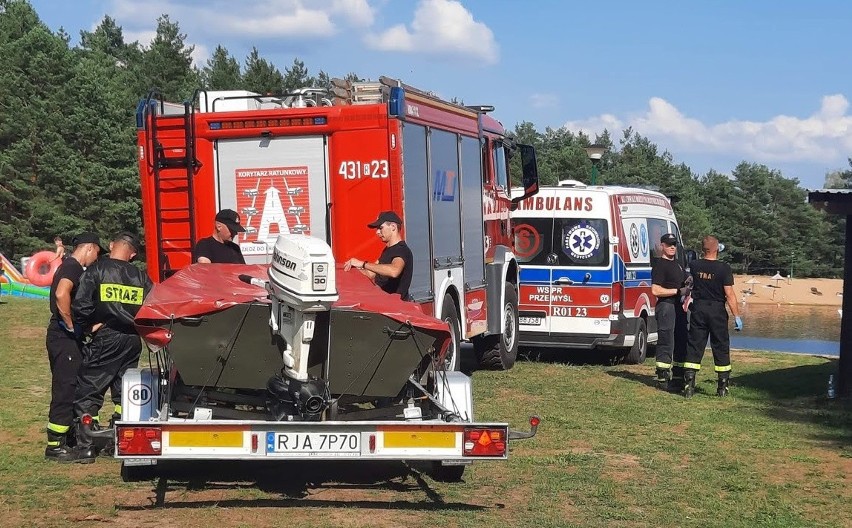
(185, 167)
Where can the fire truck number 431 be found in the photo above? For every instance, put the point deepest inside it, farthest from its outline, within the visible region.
(355, 170)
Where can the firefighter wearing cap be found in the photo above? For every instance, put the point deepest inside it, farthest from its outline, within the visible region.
(111, 291)
(220, 247)
(394, 269)
(669, 283)
(63, 345)
(713, 288)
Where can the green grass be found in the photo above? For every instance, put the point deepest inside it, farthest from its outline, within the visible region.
(611, 451)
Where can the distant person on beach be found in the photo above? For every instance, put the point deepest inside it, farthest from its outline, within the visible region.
(713, 287)
(669, 284)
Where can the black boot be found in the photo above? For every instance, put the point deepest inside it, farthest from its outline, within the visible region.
(676, 384)
(664, 376)
(57, 448)
(689, 383)
(722, 385)
(84, 452)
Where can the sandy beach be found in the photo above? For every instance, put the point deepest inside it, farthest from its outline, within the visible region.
(804, 291)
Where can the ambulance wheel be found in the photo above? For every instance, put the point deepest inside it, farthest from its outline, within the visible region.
(499, 352)
(442, 473)
(450, 315)
(138, 473)
(639, 351)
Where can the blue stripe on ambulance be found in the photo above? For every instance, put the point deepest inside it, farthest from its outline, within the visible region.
(542, 274)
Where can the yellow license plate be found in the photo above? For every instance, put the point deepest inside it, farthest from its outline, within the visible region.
(219, 438)
(401, 439)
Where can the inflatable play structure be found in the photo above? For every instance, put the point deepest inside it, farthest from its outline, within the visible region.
(13, 282)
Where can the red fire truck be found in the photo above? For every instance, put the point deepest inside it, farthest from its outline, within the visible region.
(324, 164)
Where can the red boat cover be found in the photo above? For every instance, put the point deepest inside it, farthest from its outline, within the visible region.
(204, 288)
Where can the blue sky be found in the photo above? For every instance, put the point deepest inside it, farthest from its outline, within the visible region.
(714, 83)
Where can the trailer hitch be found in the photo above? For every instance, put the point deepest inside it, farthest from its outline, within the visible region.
(521, 435)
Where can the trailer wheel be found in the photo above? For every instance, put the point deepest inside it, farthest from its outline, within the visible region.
(138, 473)
(639, 351)
(499, 352)
(442, 473)
(450, 315)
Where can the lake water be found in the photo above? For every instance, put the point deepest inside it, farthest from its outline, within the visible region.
(789, 328)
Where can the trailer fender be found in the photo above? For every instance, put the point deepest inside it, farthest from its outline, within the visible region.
(140, 393)
(455, 392)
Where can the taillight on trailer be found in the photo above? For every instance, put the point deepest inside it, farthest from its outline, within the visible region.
(139, 440)
(484, 442)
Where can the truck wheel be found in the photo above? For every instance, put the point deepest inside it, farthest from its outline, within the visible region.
(499, 352)
(639, 351)
(442, 473)
(138, 473)
(450, 315)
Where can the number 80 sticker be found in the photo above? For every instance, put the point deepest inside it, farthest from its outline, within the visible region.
(140, 394)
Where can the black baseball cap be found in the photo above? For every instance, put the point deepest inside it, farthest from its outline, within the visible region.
(385, 216)
(231, 219)
(87, 237)
(130, 238)
(669, 239)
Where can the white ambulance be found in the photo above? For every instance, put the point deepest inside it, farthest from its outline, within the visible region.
(585, 254)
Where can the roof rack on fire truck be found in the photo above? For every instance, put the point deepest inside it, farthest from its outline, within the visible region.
(375, 92)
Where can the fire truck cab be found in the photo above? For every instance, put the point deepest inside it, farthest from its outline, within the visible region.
(324, 164)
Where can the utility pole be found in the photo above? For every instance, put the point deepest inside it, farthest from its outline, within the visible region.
(792, 258)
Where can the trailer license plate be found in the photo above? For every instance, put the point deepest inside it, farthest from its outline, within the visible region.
(530, 321)
(313, 444)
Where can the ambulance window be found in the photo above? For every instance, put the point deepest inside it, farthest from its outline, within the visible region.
(657, 227)
(581, 241)
(417, 209)
(681, 253)
(500, 172)
(533, 239)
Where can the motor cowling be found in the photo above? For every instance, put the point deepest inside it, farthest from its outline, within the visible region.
(302, 273)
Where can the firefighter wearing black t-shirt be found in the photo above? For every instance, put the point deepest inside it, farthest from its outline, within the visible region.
(220, 248)
(393, 271)
(669, 284)
(63, 346)
(110, 293)
(713, 287)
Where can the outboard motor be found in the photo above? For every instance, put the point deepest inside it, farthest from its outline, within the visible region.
(302, 283)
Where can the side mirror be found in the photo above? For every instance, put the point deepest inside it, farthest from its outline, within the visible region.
(690, 256)
(530, 174)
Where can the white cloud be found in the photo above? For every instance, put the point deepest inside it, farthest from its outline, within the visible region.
(441, 27)
(200, 55)
(824, 136)
(143, 37)
(544, 100)
(285, 19)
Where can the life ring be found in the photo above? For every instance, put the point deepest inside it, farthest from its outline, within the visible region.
(41, 267)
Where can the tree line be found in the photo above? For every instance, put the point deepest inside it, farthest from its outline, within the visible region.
(68, 147)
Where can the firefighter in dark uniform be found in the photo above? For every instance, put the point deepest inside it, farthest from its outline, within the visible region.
(670, 283)
(109, 296)
(713, 287)
(63, 345)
